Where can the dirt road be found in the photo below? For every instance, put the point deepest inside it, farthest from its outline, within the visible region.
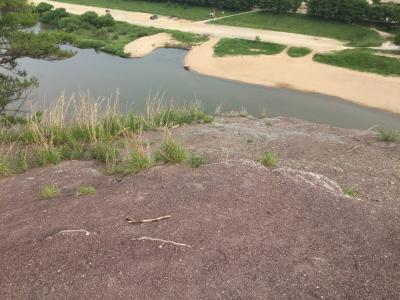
(317, 43)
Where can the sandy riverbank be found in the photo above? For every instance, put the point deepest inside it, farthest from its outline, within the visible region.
(147, 44)
(299, 73)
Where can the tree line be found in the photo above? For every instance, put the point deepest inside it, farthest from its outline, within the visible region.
(343, 10)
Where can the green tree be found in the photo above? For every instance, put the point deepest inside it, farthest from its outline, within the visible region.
(15, 43)
(280, 6)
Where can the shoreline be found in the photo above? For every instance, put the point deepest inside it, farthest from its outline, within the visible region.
(301, 74)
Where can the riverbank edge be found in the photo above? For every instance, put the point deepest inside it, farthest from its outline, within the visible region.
(209, 66)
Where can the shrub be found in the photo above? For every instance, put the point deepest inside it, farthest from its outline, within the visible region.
(270, 159)
(49, 191)
(5, 167)
(90, 17)
(43, 7)
(105, 21)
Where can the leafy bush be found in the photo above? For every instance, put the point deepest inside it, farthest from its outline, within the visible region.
(90, 17)
(43, 7)
(388, 135)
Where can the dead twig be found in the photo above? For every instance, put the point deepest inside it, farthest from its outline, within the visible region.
(356, 147)
(136, 222)
(73, 230)
(145, 238)
(145, 176)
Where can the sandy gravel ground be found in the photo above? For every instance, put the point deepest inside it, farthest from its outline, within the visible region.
(299, 73)
(143, 19)
(253, 232)
(145, 45)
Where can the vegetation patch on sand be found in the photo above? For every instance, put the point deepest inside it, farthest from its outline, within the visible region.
(355, 35)
(227, 47)
(103, 33)
(363, 60)
(298, 51)
(194, 13)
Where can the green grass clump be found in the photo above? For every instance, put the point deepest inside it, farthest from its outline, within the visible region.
(388, 135)
(195, 161)
(298, 51)
(363, 60)
(14, 164)
(49, 191)
(227, 47)
(86, 190)
(351, 192)
(161, 8)
(106, 152)
(172, 152)
(269, 159)
(5, 167)
(137, 161)
(47, 156)
(355, 35)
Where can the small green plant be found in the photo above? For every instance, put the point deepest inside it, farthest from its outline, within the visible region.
(195, 161)
(5, 168)
(137, 161)
(351, 192)
(47, 156)
(270, 160)
(298, 51)
(49, 191)
(388, 135)
(86, 190)
(172, 152)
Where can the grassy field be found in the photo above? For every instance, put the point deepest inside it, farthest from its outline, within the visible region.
(355, 35)
(298, 51)
(194, 13)
(226, 47)
(363, 60)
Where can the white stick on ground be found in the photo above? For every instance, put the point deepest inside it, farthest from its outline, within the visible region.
(132, 221)
(74, 230)
(145, 238)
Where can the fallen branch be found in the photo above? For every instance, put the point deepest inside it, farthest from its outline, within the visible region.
(145, 238)
(135, 222)
(356, 147)
(74, 230)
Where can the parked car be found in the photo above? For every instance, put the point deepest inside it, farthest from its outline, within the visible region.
(154, 17)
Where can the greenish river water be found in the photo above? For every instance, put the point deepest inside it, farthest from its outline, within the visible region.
(162, 73)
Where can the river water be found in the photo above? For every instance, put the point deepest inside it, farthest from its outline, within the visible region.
(161, 73)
